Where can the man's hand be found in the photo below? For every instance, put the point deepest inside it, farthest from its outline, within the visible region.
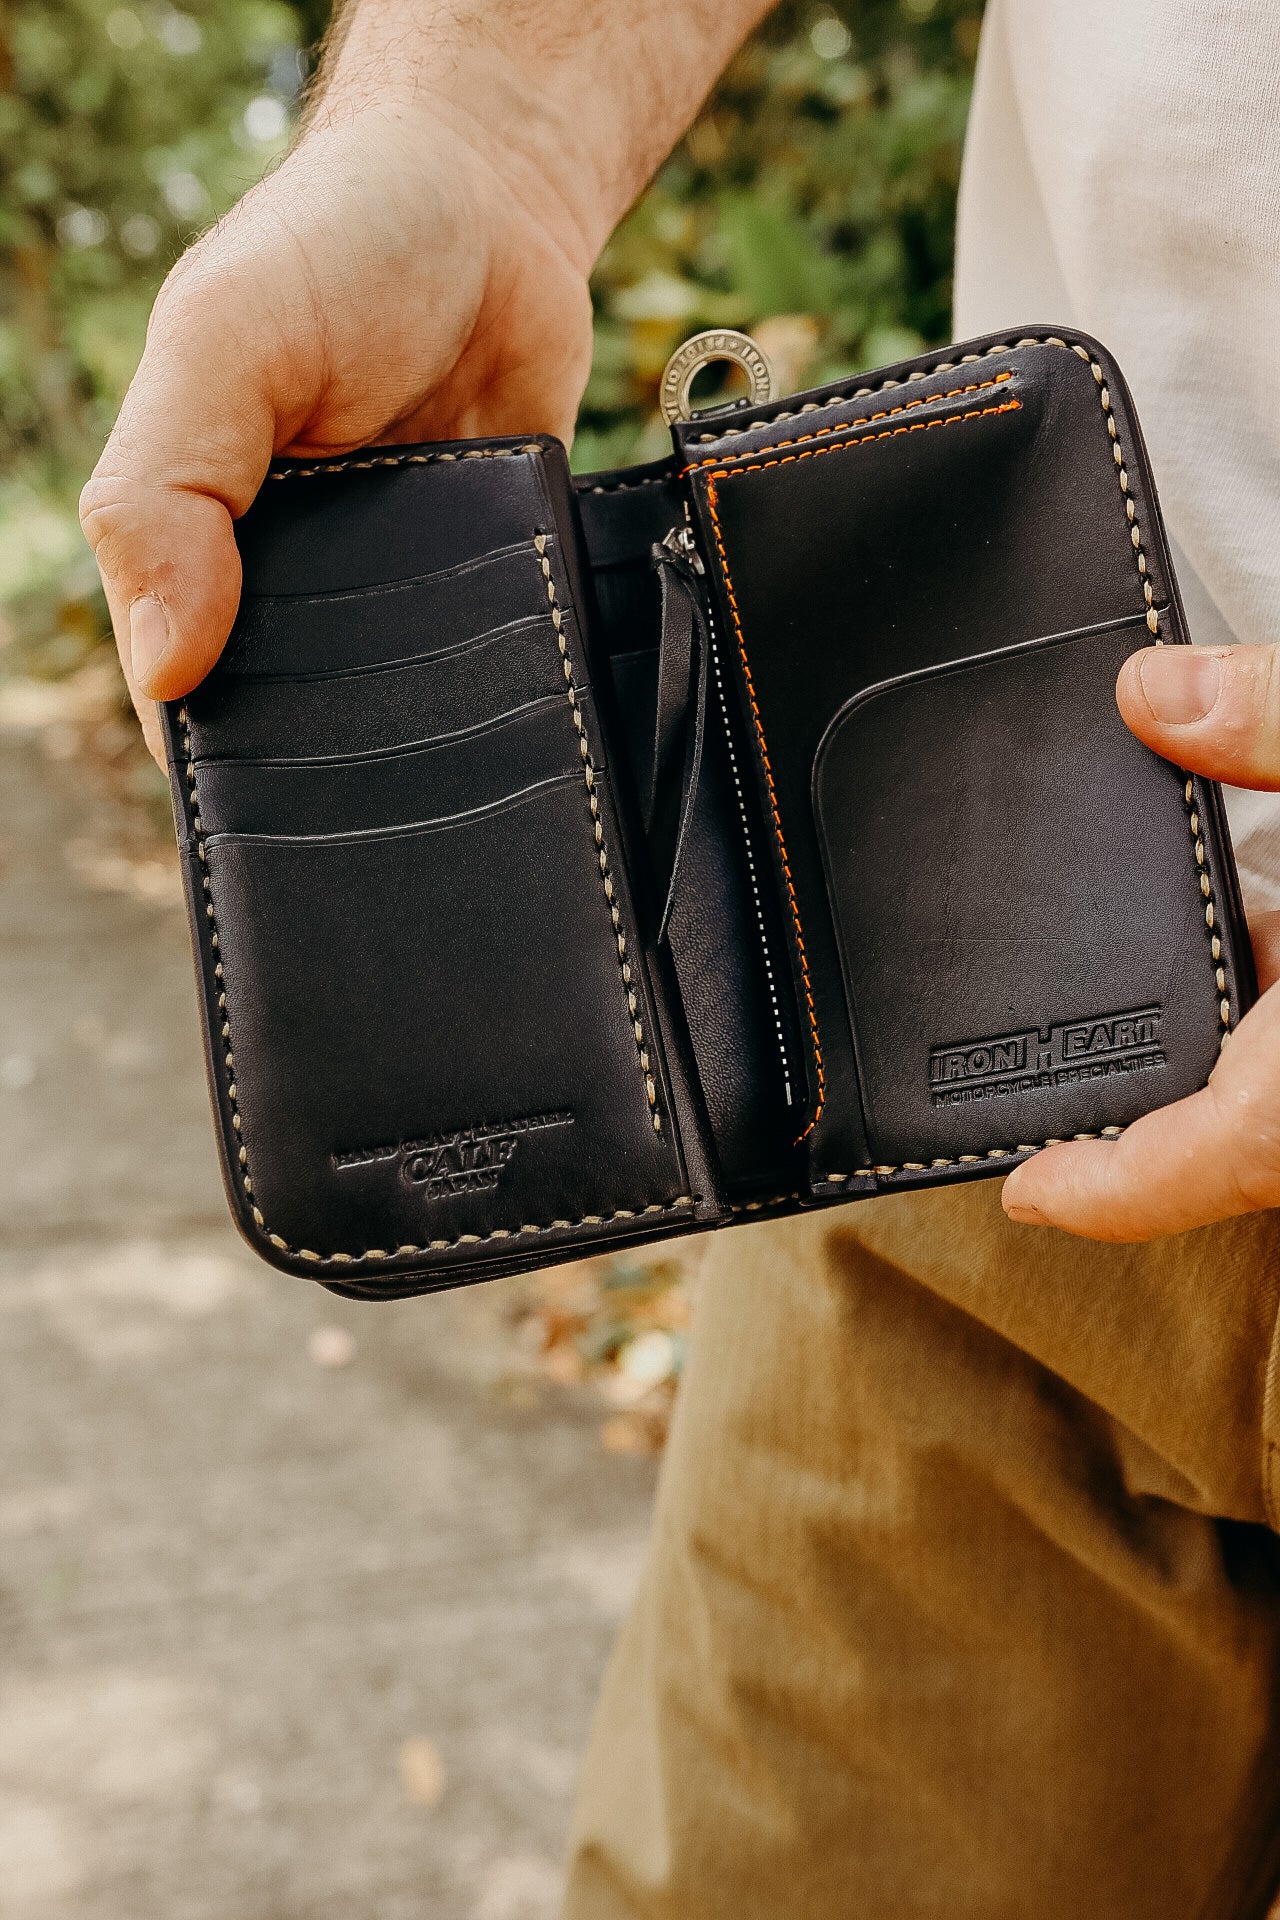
(415, 269)
(1215, 711)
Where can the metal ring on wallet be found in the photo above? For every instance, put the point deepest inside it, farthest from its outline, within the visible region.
(703, 350)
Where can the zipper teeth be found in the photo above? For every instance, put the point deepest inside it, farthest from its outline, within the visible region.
(751, 862)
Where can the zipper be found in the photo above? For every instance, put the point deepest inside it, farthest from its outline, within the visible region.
(680, 541)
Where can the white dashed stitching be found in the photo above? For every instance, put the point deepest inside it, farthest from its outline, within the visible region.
(606, 878)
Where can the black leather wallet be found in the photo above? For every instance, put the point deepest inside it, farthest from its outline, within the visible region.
(576, 862)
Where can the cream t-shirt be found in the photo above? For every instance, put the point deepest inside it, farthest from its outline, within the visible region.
(1122, 174)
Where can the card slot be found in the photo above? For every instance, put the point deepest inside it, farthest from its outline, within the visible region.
(305, 634)
(392, 513)
(444, 1049)
(1016, 907)
(492, 557)
(481, 727)
(395, 830)
(427, 781)
(361, 666)
(387, 708)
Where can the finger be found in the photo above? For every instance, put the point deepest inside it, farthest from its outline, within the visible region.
(1164, 1174)
(1204, 1158)
(187, 454)
(1213, 710)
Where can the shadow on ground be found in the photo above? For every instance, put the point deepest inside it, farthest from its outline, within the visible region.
(303, 1604)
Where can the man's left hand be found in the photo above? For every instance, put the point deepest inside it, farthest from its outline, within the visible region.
(1214, 711)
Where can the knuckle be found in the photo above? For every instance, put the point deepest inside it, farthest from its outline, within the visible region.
(1257, 1170)
(101, 510)
(115, 522)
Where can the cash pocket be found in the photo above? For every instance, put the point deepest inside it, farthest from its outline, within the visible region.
(382, 708)
(1017, 905)
(300, 634)
(448, 1056)
(429, 781)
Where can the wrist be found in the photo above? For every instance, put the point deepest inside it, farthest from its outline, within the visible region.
(573, 105)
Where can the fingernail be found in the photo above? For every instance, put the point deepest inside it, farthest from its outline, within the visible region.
(148, 636)
(1025, 1212)
(1181, 684)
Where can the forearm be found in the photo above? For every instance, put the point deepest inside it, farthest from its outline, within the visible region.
(577, 102)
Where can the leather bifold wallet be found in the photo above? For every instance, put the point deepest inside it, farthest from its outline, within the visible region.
(577, 861)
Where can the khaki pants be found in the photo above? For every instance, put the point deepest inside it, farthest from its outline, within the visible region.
(963, 1598)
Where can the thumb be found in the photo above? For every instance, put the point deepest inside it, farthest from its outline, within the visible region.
(186, 456)
(171, 573)
(1213, 710)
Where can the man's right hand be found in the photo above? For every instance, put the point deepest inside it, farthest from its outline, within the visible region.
(416, 268)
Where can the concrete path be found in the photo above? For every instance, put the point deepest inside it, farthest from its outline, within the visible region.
(279, 1640)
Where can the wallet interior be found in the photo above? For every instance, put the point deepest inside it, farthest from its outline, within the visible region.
(935, 905)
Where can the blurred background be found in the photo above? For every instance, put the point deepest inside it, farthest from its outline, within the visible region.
(303, 1605)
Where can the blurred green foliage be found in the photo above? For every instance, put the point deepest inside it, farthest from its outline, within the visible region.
(124, 130)
(813, 201)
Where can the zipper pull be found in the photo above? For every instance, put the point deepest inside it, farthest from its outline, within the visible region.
(680, 543)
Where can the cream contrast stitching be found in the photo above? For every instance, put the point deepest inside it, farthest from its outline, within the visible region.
(1210, 918)
(864, 420)
(964, 1159)
(761, 1206)
(679, 1205)
(589, 775)
(206, 887)
(1135, 535)
(632, 486)
(352, 463)
(811, 1009)
(1153, 625)
(764, 458)
(886, 386)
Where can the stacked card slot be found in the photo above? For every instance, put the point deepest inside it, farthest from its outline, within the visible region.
(401, 827)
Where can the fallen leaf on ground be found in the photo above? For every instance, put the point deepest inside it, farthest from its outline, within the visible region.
(422, 1771)
(564, 1364)
(632, 1433)
(650, 1358)
(331, 1347)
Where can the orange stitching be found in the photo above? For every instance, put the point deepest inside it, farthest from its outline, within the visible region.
(866, 420)
(773, 803)
(886, 433)
(737, 473)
